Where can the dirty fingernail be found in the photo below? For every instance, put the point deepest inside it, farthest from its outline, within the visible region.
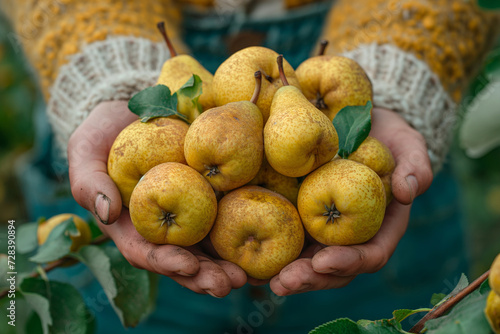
(101, 209)
(412, 186)
(211, 293)
(180, 272)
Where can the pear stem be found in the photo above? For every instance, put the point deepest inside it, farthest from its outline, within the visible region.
(163, 32)
(282, 71)
(258, 82)
(322, 47)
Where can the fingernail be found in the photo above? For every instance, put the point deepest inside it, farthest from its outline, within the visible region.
(180, 272)
(211, 293)
(304, 287)
(412, 186)
(101, 209)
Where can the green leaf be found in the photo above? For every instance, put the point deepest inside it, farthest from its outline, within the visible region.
(156, 101)
(437, 298)
(400, 315)
(26, 238)
(353, 124)
(192, 88)
(466, 317)
(59, 305)
(339, 326)
(489, 4)
(58, 243)
(121, 282)
(347, 326)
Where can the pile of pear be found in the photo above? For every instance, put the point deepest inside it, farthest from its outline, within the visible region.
(255, 172)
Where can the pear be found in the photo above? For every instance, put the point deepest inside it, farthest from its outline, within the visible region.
(225, 144)
(257, 229)
(298, 138)
(270, 179)
(342, 203)
(173, 204)
(229, 85)
(376, 155)
(141, 146)
(333, 82)
(177, 70)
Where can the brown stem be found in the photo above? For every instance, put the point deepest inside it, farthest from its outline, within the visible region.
(447, 305)
(322, 47)
(49, 267)
(258, 82)
(282, 71)
(163, 31)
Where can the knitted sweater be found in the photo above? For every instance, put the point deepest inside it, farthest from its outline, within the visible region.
(419, 54)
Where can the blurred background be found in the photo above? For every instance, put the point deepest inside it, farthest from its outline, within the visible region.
(31, 187)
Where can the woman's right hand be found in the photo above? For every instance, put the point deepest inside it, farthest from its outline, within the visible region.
(93, 189)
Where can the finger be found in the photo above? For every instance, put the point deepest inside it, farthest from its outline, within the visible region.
(88, 150)
(413, 173)
(299, 277)
(166, 260)
(236, 275)
(370, 256)
(211, 279)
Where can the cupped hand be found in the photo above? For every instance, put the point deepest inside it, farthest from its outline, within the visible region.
(93, 189)
(321, 267)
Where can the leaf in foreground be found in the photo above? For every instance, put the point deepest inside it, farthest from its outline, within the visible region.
(129, 290)
(59, 306)
(353, 124)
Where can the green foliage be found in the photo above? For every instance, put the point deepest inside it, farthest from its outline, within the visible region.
(158, 101)
(26, 238)
(353, 124)
(384, 326)
(58, 243)
(489, 4)
(59, 306)
(121, 282)
(466, 317)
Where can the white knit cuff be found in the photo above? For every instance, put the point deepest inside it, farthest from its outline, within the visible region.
(113, 69)
(403, 83)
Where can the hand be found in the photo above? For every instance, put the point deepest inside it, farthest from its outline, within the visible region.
(321, 267)
(93, 189)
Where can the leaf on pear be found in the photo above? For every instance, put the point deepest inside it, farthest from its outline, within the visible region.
(58, 243)
(156, 101)
(192, 89)
(353, 124)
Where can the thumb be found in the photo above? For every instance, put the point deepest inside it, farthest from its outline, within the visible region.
(88, 150)
(413, 173)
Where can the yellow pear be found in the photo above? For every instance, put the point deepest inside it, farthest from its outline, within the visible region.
(232, 79)
(374, 154)
(141, 146)
(77, 241)
(492, 311)
(177, 70)
(257, 229)
(298, 138)
(270, 179)
(333, 82)
(225, 144)
(173, 204)
(342, 203)
(494, 277)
